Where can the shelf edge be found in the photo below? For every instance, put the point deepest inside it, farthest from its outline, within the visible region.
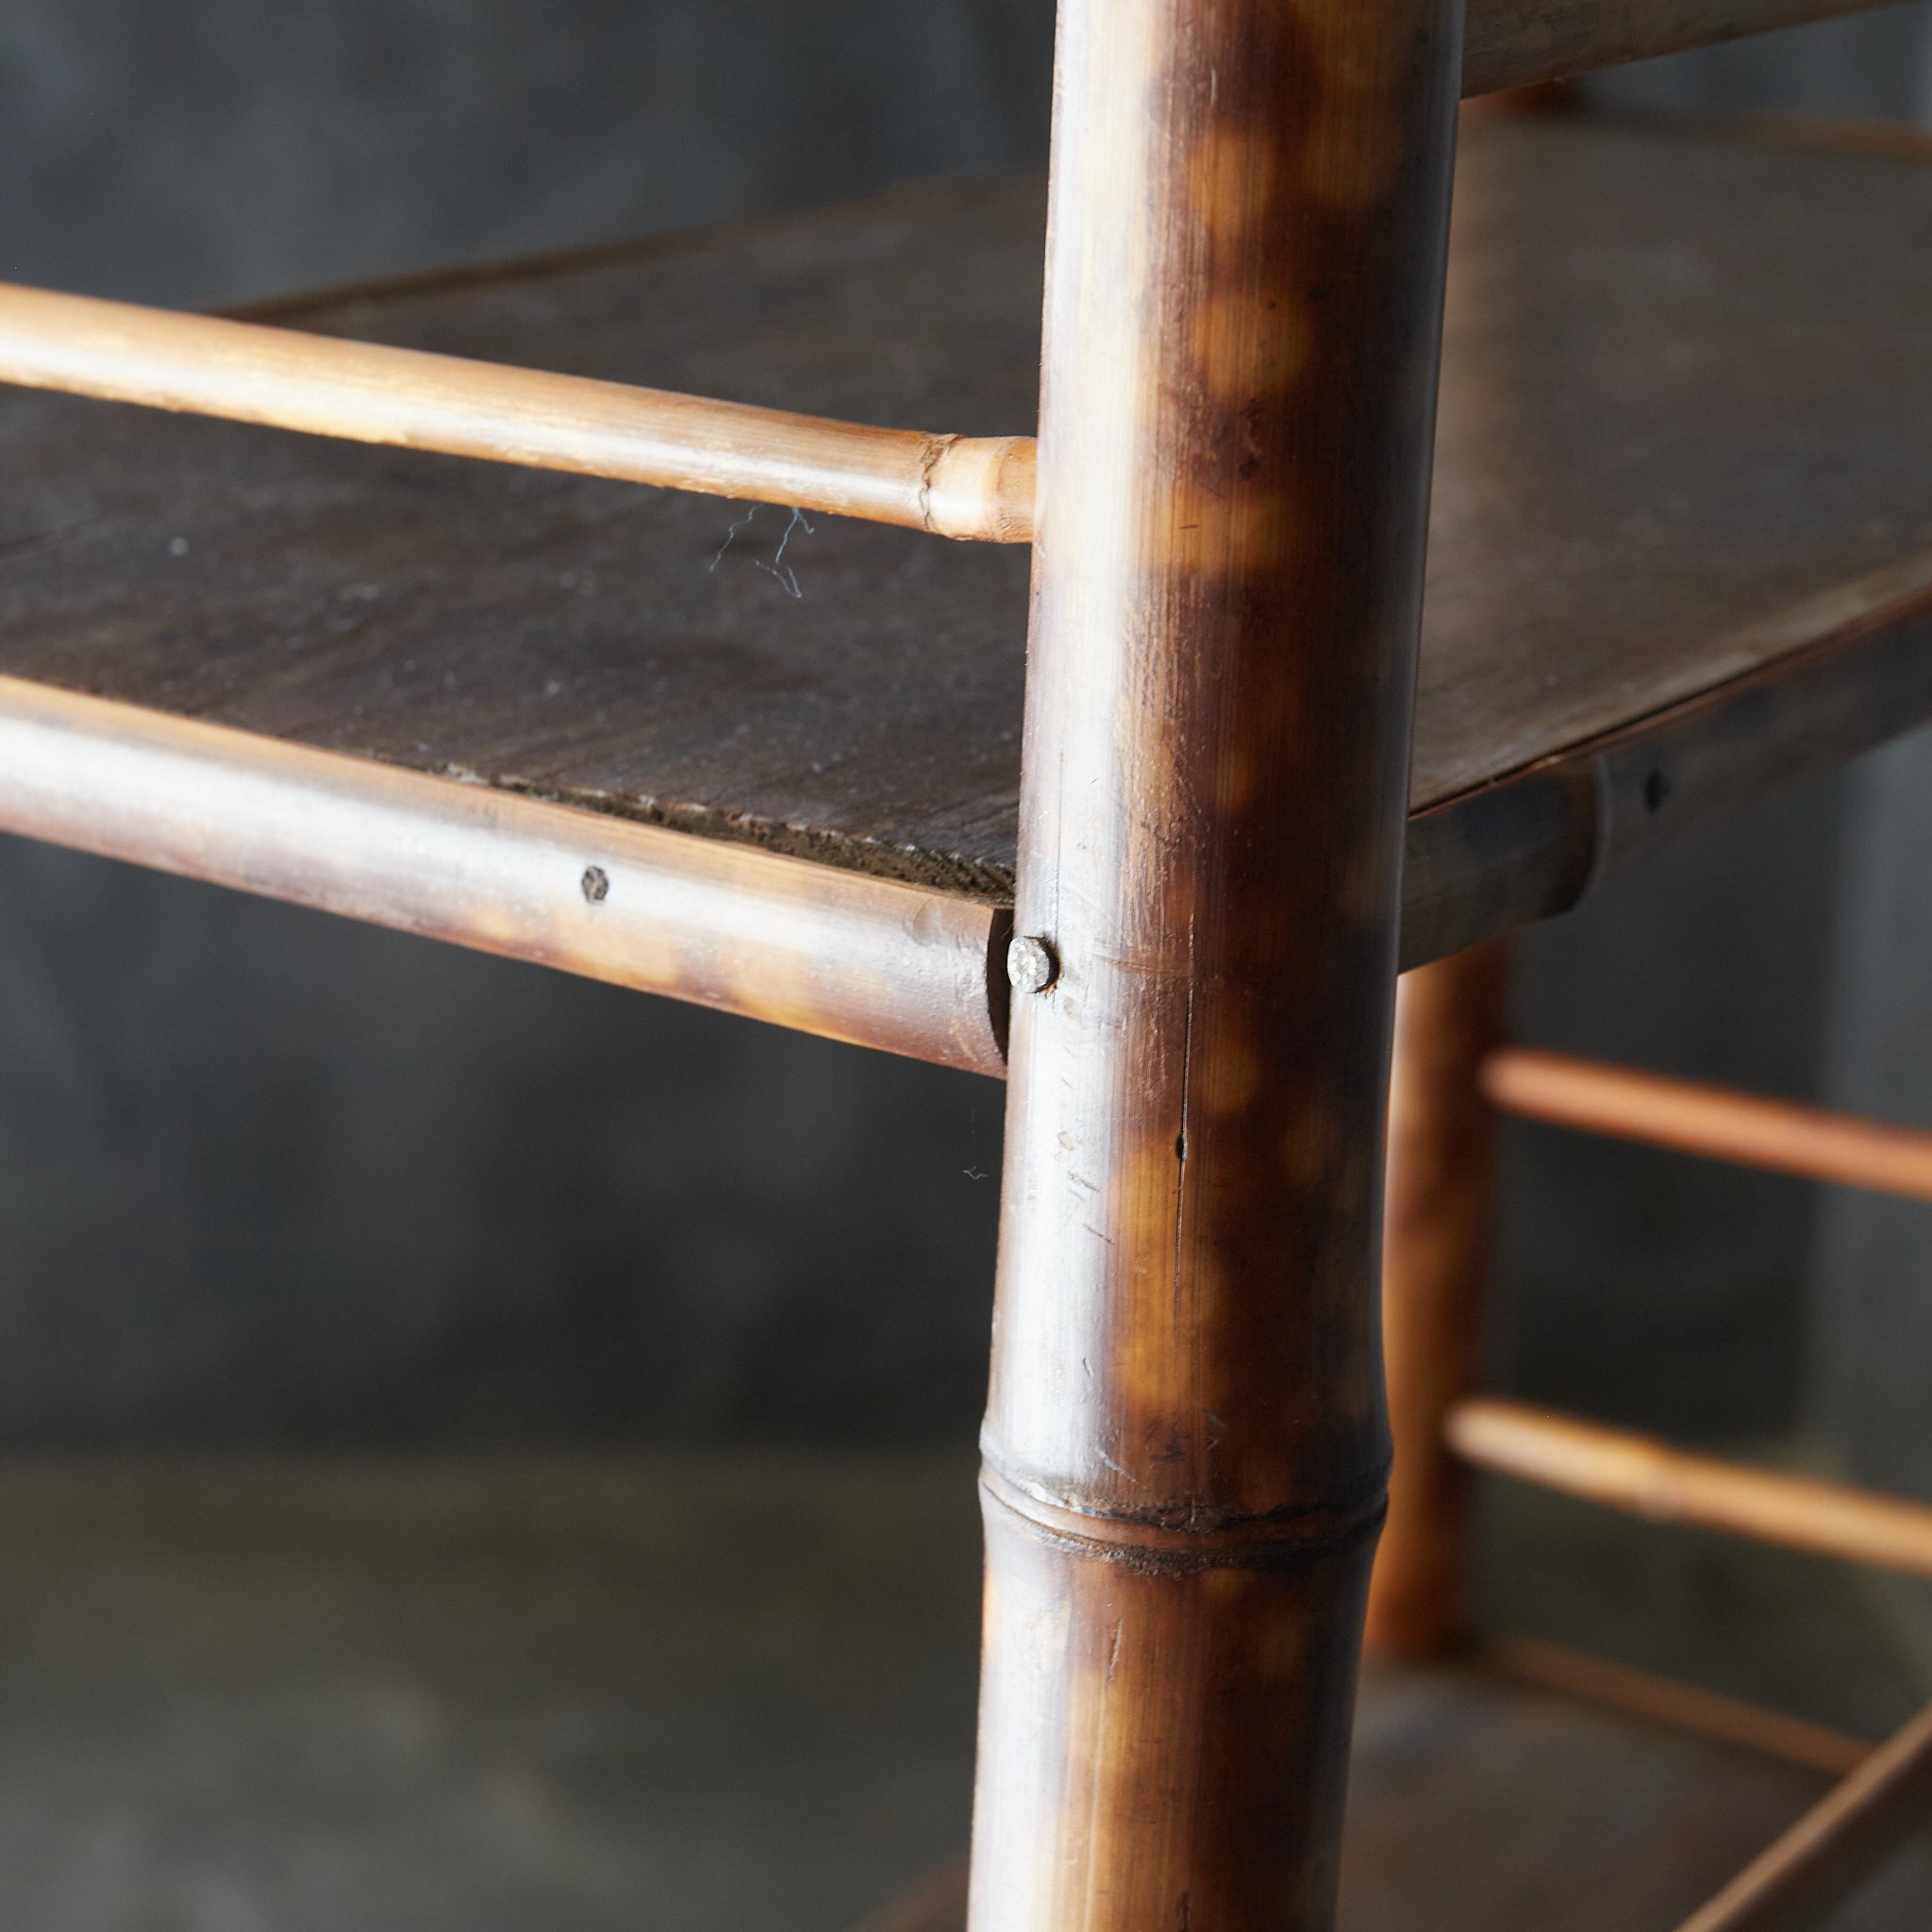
(810, 947)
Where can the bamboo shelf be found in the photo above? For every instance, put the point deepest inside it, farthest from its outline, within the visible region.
(756, 756)
(1682, 551)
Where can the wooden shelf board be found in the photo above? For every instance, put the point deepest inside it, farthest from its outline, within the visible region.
(1682, 543)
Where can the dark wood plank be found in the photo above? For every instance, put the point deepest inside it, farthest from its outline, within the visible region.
(580, 641)
(1691, 391)
(1688, 393)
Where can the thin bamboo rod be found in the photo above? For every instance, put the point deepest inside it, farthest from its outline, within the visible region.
(1519, 43)
(1683, 1706)
(1711, 1121)
(1649, 1478)
(1798, 1883)
(978, 488)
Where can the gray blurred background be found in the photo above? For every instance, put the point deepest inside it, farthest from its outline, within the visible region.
(272, 1183)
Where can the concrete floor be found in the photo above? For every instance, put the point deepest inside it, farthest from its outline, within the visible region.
(649, 1693)
(654, 1693)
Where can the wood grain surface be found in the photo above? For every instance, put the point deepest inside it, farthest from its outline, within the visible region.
(635, 651)
(1673, 1703)
(1717, 1123)
(1680, 504)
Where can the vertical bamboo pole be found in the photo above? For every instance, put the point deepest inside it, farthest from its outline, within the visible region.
(1434, 1255)
(1186, 1447)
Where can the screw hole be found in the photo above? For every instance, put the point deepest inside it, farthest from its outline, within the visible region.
(597, 885)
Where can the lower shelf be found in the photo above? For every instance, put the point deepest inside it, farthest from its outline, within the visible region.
(1482, 1804)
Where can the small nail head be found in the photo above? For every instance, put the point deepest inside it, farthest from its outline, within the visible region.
(597, 885)
(1031, 965)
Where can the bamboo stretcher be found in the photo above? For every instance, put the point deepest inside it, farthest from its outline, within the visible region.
(1715, 1121)
(1649, 1478)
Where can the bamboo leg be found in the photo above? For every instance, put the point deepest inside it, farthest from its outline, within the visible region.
(972, 486)
(1435, 1253)
(1186, 1446)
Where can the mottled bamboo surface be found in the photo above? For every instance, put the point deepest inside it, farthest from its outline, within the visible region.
(1688, 389)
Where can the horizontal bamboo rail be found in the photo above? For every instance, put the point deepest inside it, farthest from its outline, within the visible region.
(976, 488)
(1666, 1701)
(1801, 1880)
(1650, 1478)
(806, 947)
(1522, 43)
(1711, 1121)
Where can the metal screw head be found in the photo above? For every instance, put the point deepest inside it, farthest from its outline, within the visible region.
(597, 885)
(1031, 966)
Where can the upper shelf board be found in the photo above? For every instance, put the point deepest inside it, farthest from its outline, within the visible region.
(1681, 548)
